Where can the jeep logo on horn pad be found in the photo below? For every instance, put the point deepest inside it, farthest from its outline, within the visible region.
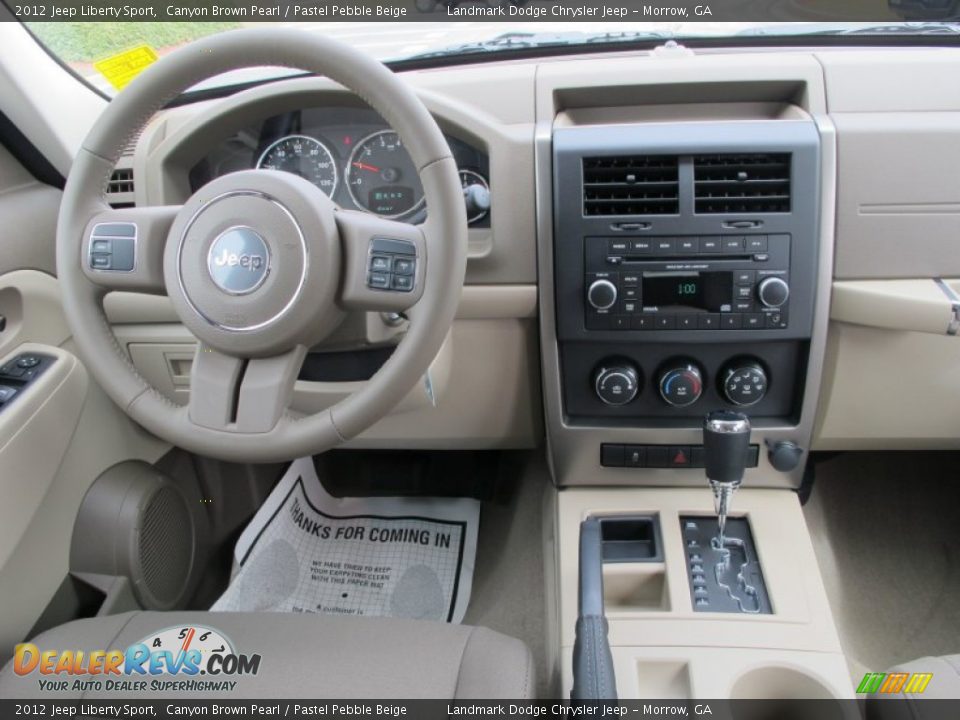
(238, 261)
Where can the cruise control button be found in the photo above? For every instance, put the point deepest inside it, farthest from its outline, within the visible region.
(380, 263)
(404, 266)
(403, 283)
(379, 280)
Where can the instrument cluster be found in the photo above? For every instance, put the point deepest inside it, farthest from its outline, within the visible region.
(352, 155)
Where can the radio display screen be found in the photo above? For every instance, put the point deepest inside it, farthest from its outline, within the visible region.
(703, 291)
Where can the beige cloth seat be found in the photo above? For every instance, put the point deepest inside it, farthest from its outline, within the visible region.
(314, 656)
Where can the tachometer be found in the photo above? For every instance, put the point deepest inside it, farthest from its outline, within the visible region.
(382, 178)
(304, 156)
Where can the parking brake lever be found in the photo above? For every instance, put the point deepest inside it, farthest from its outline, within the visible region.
(593, 677)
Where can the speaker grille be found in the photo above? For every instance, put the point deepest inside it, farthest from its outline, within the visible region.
(166, 545)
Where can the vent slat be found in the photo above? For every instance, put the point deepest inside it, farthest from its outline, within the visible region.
(737, 183)
(631, 185)
(120, 188)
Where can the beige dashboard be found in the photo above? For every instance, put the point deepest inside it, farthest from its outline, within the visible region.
(889, 121)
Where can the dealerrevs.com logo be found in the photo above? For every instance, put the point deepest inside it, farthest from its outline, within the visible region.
(190, 658)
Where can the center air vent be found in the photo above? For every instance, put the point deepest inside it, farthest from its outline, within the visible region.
(631, 185)
(755, 183)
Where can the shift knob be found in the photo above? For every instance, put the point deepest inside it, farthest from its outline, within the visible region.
(726, 445)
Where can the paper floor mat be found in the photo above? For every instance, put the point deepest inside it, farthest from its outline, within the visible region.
(306, 551)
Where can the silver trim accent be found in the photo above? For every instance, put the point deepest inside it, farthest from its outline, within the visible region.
(483, 181)
(94, 236)
(597, 283)
(303, 274)
(346, 179)
(628, 374)
(767, 281)
(679, 369)
(336, 170)
(954, 325)
(266, 249)
(733, 426)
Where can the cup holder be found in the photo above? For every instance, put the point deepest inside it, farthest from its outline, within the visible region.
(778, 682)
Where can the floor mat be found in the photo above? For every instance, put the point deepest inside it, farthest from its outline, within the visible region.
(306, 551)
(885, 530)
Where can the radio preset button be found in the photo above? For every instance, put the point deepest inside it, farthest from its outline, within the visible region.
(620, 322)
(665, 322)
(643, 322)
(710, 244)
(686, 322)
(665, 246)
(708, 321)
(731, 321)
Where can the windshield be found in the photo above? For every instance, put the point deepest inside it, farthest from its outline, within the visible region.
(88, 47)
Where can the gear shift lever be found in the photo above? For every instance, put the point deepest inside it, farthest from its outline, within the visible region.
(726, 443)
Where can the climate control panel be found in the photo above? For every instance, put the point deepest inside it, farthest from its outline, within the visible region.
(682, 381)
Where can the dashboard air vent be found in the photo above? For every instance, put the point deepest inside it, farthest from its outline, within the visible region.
(631, 185)
(755, 183)
(120, 188)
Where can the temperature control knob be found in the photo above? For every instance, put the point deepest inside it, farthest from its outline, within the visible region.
(602, 294)
(681, 385)
(773, 292)
(617, 384)
(745, 383)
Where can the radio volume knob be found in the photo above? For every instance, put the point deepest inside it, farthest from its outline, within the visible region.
(773, 292)
(617, 384)
(602, 294)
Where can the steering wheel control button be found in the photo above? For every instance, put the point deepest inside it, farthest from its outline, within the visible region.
(404, 266)
(113, 247)
(238, 261)
(380, 264)
(392, 265)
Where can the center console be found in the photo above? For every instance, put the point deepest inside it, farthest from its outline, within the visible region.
(686, 263)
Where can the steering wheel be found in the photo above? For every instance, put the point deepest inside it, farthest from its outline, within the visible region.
(260, 265)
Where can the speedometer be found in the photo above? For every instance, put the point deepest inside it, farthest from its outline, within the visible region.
(304, 156)
(382, 178)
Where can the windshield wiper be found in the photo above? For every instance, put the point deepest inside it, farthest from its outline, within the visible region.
(889, 28)
(521, 41)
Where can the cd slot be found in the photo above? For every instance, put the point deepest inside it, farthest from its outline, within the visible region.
(700, 259)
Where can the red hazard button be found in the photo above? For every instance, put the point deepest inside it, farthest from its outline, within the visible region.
(679, 457)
